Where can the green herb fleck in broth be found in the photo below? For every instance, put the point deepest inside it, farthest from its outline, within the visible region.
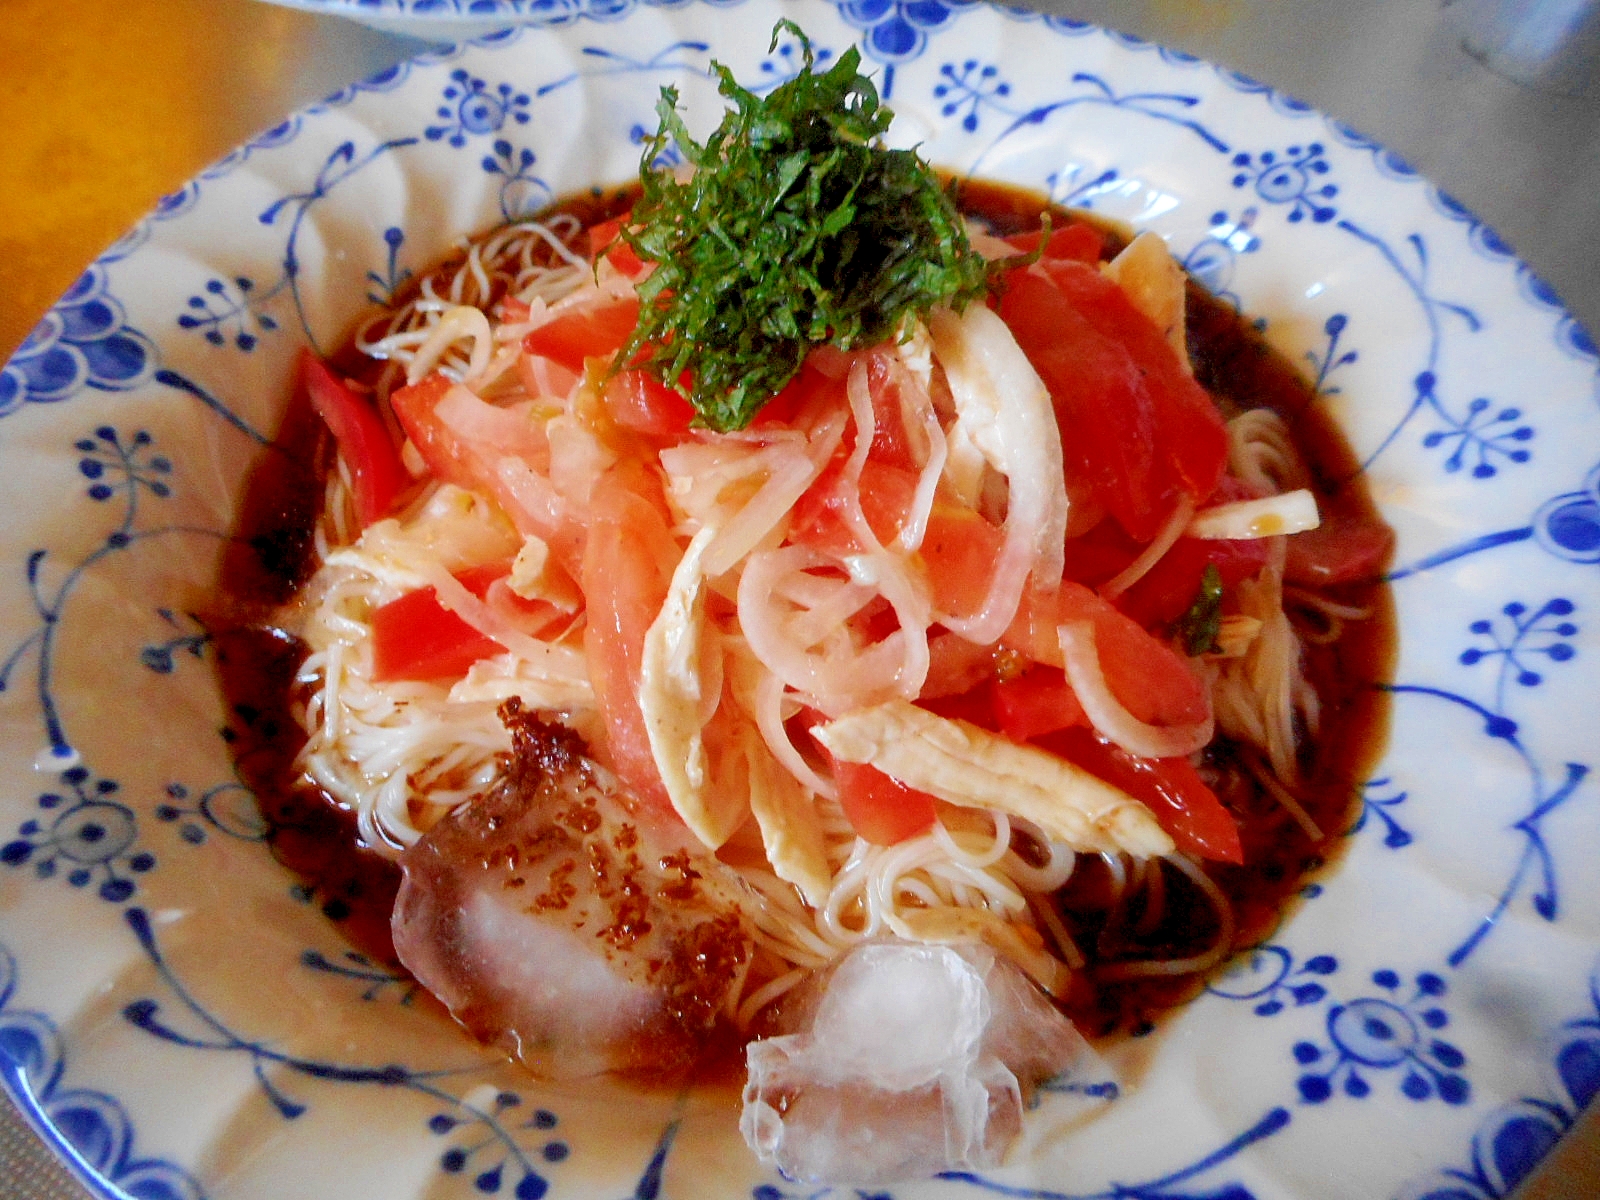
(1198, 628)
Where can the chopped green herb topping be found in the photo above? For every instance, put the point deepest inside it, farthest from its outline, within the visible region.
(796, 229)
(1198, 628)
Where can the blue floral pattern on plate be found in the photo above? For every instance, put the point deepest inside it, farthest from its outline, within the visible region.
(211, 1033)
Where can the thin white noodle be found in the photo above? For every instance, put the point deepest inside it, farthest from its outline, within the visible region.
(997, 849)
(1312, 608)
(1119, 876)
(1153, 886)
(764, 995)
(769, 697)
(1044, 912)
(1192, 964)
(1267, 778)
(1060, 860)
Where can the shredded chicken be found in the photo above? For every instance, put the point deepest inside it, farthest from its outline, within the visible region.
(962, 764)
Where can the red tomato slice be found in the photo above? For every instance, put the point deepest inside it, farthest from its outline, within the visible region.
(1167, 590)
(882, 810)
(960, 549)
(624, 586)
(956, 666)
(641, 402)
(1150, 679)
(544, 376)
(1137, 430)
(441, 450)
(490, 584)
(604, 239)
(1194, 440)
(975, 707)
(477, 463)
(417, 638)
(1170, 788)
(1104, 409)
(1341, 550)
(603, 234)
(1099, 553)
(1035, 702)
(885, 495)
(891, 445)
(377, 475)
(593, 331)
(478, 579)
(1074, 240)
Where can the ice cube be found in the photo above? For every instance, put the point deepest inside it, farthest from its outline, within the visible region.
(906, 1060)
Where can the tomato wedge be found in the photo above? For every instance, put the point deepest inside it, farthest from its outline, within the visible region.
(1035, 702)
(885, 495)
(637, 400)
(1170, 788)
(960, 550)
(891, 443)
(494, 461)
(377, 475)
(1136, 430)
(879, 808)
(1074, 240)
(624, 586)
(1341, 550)
(592, 331)
(416, 638)
(605, 241)
(1106, 416)
(1165, 593)
(1194, 439)
(1148, 677)
(445, 455)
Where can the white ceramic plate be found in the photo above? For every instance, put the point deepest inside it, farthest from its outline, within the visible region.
(183, 1021)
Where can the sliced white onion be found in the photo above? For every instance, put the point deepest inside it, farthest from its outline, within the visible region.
(1150, 277)
(793, 470)
(985, 243)
(746, 484)
(1171, 530)
(530, 499)
(820, 658)
(922, 426)
(577, 458)
(1108, 714)
(1290, 512)
(761, 694)
(491, 429)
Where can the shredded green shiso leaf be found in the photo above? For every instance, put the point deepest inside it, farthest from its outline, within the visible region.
(796, 229)
(1198, 628)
